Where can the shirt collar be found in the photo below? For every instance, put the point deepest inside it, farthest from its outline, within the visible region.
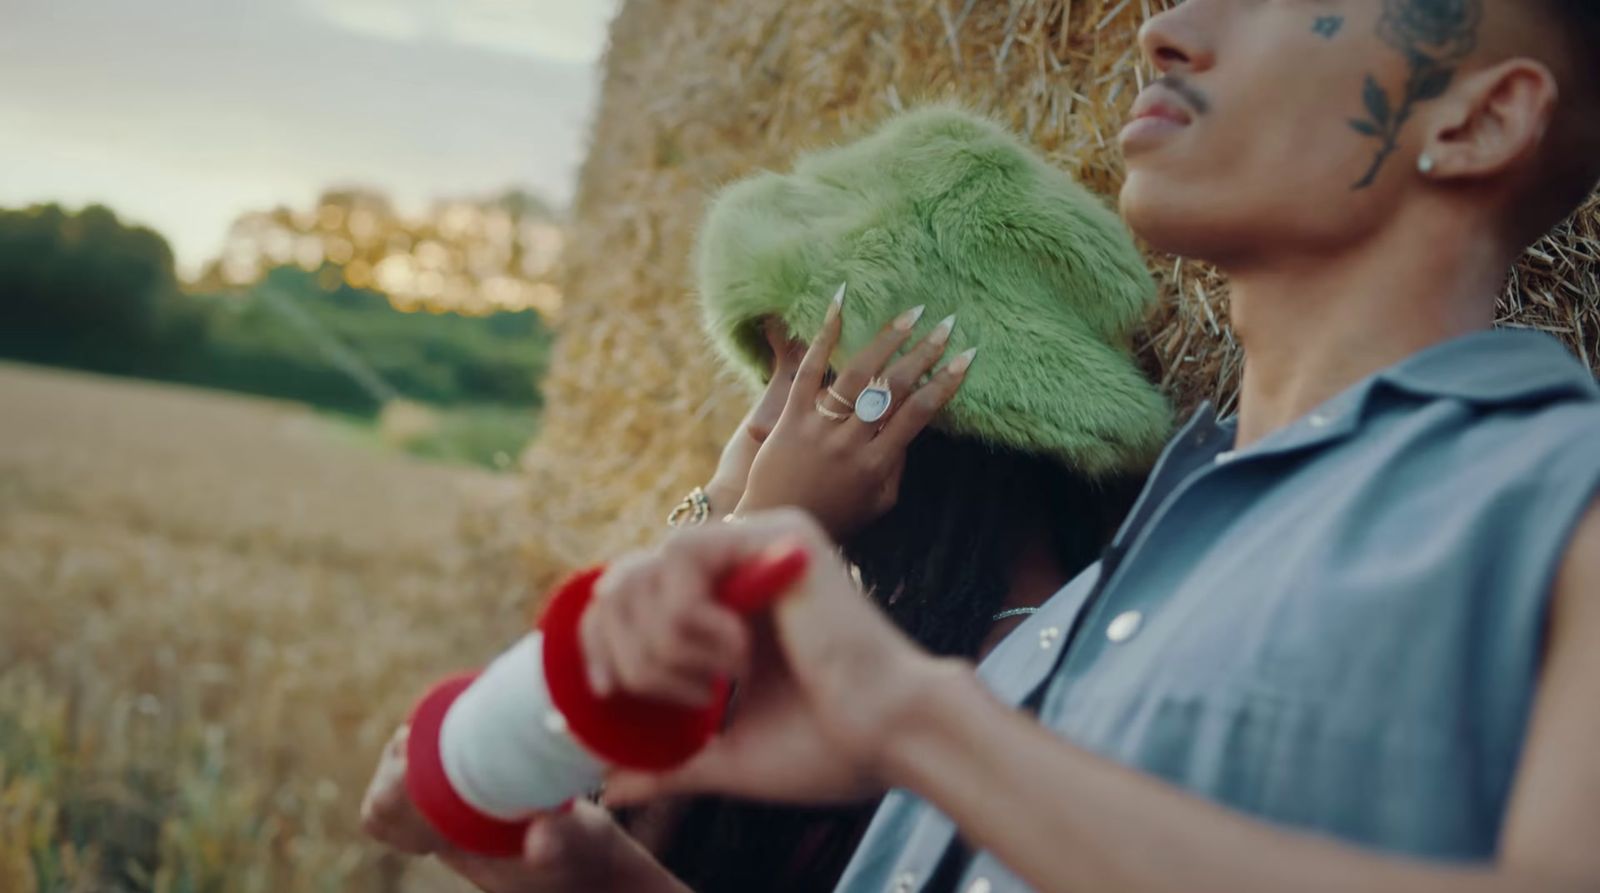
(1499, 367)
(1503, 366)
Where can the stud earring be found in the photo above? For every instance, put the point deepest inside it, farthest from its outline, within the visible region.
(1425, 164)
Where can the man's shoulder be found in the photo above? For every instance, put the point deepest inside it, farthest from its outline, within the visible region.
(1566, 432)
(1561, 427)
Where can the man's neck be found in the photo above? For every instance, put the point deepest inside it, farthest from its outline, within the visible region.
(1313, 327)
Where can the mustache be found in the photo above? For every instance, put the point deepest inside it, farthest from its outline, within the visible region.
(1190, 93)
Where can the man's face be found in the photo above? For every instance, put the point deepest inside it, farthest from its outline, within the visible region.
(1279, 126)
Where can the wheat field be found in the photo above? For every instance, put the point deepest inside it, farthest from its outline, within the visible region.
(213, 611)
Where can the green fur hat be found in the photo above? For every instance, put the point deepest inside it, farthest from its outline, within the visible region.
(943, 208)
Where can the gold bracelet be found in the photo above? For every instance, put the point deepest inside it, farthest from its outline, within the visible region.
(692, 511)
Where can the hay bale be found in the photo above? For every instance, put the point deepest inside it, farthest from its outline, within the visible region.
(698, 94)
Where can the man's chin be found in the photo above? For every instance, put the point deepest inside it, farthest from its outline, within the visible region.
(1147, 208)
(1168, 220)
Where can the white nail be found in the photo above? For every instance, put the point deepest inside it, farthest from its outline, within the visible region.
(838, 296)
(909, 318)
(941, 332)
(963, 361)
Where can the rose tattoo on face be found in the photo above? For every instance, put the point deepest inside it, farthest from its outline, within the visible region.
(1434, 36)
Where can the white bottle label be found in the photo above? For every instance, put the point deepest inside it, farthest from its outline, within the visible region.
(505, 747)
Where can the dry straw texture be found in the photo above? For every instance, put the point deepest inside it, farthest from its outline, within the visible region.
(697, 94)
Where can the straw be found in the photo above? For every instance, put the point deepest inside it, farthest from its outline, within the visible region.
(698, 94)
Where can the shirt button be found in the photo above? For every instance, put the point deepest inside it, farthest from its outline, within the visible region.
(904, 882)
(980, 885)
(1124, 625)
(1048, 637)
(1224, 457)
(1318, 420)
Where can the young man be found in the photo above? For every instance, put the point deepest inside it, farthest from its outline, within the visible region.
(1349, 640)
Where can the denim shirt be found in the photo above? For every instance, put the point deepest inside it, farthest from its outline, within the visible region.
(1337, 629)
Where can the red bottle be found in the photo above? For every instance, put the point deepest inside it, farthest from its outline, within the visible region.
(489, 752)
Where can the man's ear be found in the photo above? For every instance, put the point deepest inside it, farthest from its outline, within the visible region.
(1490, 121)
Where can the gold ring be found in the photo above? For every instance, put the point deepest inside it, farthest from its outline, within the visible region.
(830, 414)
(848, 405)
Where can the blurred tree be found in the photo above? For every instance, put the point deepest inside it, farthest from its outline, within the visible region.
(462, 256)
(306, 321)
(85, 288)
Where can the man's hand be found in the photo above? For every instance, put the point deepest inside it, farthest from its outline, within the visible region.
(579, 851)
(822, 678)
(387, 813)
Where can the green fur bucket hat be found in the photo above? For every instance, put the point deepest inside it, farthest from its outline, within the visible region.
(943, 208)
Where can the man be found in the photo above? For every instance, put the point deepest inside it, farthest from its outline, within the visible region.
(1349, 640)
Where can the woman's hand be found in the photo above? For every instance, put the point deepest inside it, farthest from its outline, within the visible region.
(387, 813)
(727, 484)
(828, 676)
(824, 458)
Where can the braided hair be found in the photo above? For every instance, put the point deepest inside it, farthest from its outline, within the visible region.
(940, 563)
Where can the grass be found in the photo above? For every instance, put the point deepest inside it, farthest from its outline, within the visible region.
(484, 435)
(215, 612)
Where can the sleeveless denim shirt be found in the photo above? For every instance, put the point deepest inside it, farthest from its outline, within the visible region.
(1336, 630)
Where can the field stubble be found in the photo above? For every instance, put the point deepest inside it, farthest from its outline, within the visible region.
(212, 614)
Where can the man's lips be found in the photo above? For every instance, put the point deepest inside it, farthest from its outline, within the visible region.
(1159, 112)
(1158, 102)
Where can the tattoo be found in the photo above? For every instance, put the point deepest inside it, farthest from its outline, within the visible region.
(1328, 26)
(1434, 36)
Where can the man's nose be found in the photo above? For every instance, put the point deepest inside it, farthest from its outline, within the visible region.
(1175, 40)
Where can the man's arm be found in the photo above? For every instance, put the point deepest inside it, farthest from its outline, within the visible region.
(1066, 820)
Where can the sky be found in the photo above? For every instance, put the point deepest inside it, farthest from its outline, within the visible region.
(183, 114)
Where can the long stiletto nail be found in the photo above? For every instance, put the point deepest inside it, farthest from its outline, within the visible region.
(909, 318)
(835, 306)
(963, 361)
(941, 332)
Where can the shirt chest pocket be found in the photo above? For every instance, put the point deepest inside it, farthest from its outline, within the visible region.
(1337, 707)
(1291, 613)
(1303, 759)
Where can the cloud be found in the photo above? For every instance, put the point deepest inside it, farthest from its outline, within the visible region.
(558, 30)
(218, 106)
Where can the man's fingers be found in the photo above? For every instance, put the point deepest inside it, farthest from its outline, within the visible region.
(673, 687)
(706, 553)
(555, 839)
(655, 627)
(700, 775)
(814, 365)
(546, 842)
(922, 405)
(691, 632)
(721, 636)
(680, 658)
(601, 631)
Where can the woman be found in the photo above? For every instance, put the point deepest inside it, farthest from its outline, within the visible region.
(978, 536)
(961, 511)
